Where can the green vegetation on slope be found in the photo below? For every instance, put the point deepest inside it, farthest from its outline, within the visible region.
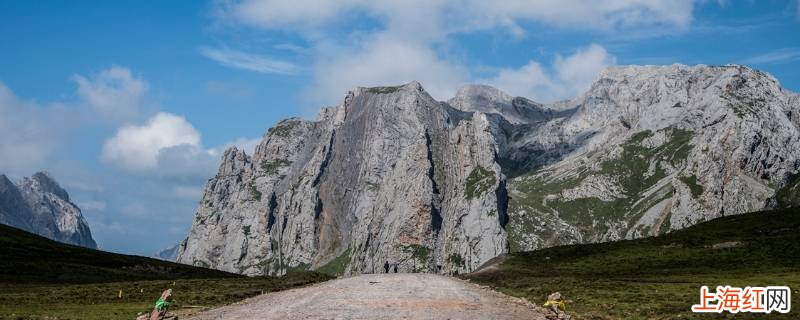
(272, 166)
(101, 301)
(28, 258)
(45, 279)
(630, 170)
(479, 182)
(789, 195)
(381, 90)
(283, 129)
(659, 277)
(254, 191)
(337, 266)
(694, 187)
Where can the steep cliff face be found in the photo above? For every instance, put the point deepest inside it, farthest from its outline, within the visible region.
(39, 205)
(391, 175)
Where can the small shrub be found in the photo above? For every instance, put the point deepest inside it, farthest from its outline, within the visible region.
(479, 182)
(382, 90)
(456, 260)
(695, 188)
(254, 192)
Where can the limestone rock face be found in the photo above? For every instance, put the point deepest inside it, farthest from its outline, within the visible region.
(652, 149)
(39, 205)
(390, 176)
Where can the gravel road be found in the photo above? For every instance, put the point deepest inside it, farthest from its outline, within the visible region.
(380, 296)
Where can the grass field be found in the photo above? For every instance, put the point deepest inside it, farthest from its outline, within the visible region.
(101, 300)
(659, 277)
(44, 279)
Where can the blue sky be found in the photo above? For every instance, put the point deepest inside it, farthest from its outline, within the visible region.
(129, 104)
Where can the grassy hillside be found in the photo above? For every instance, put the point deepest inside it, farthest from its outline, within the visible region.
(659, 277)
(30, 258)
(44, 279)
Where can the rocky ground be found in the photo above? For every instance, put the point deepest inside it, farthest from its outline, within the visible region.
(381, 296)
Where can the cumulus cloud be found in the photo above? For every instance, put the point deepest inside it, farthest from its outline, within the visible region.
(249, 61)
(186, 161)
(569, 76)
(383, 62)
(29, 133)
(411, 39)
(137, 147)
(114, 92)
(166, 145)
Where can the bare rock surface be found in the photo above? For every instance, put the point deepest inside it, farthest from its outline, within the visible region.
(39, 205)
(381, 296)
(391, 176)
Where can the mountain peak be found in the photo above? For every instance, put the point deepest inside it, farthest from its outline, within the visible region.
(488, 99)
(472, 91)
(38, 204)
(46, 183)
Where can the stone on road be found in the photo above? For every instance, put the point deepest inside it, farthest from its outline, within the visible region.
(380, 296)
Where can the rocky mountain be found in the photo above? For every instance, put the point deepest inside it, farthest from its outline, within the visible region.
(652, 149)
(393, 176)
(168, 254)
(390, 176)
(39, 205)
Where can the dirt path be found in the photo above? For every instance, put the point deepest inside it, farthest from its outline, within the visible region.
(380, 296)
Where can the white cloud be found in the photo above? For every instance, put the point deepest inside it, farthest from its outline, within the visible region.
(29, 133)
(92, 206)
(114, 92)
(445, 16)
(188, 192)
(412, 37)
(608, 15)
(380, 62)
(249, 61)
(246, 144)
(186, 161)
(777, 56)
(570, 75)
(137, 147)
(166, 145)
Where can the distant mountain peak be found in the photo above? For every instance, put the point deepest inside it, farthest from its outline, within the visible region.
(38, 204)
(45, 182)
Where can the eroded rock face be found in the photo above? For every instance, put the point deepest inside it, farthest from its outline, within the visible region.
(39, 205)
(653, 149)
(391, 175)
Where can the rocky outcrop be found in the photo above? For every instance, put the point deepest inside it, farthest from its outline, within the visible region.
(653, 149)
(393, 176)
(390, 176)
(168, 254)
(39, 205)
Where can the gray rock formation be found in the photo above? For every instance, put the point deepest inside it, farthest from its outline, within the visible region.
(393, 176)
(653, 149)
(168, 254)
(39, 205)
